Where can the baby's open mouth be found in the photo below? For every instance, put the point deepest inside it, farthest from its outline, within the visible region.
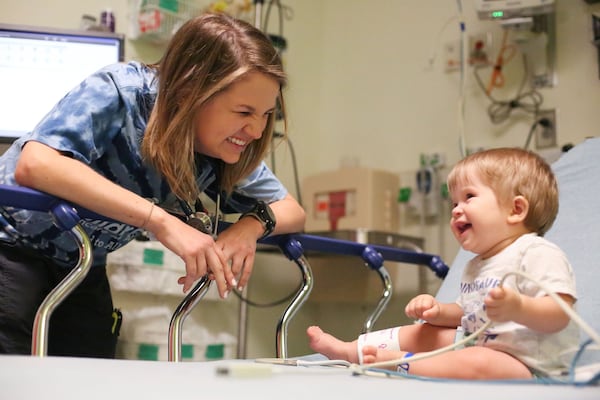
(462, 227)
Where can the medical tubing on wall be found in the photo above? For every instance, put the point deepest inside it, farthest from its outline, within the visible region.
(461, 98)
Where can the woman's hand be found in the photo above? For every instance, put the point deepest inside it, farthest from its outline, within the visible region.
(200, 253)
(238, 244)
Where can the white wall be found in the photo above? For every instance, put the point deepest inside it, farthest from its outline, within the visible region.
(373, 80)
(361, 84)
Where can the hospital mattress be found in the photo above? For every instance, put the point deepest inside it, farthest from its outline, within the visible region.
(62, 378)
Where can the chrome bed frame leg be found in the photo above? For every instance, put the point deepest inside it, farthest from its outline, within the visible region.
(182, 311)
(374, 260)
(293, 250)
(39, 340)
(386, 296)
(293, 307)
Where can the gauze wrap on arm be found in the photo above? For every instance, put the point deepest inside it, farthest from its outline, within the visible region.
(385, 339)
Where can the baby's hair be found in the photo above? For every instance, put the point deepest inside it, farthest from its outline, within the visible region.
(514, 172)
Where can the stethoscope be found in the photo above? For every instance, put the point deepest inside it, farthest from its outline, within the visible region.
(200, 219)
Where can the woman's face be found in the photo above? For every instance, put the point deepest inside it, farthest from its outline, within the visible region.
(227, 123)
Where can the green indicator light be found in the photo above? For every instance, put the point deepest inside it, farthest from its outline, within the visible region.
(497, 14)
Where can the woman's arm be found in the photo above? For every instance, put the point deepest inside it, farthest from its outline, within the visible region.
(43, 168)
(289, 215)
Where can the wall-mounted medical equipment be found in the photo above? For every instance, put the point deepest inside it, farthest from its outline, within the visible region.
(506, 9)
(351, 198)
(40, 65)
(532, 26)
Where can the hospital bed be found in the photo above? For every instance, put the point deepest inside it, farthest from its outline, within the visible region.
(576, 231)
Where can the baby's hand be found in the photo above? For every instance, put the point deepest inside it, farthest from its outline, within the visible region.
(502, 304)
(424, 306)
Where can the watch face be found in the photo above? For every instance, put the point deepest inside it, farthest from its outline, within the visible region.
(267, 210)
(266, 214)
(263, 213)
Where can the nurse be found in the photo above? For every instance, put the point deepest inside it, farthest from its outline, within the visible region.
(138, 144)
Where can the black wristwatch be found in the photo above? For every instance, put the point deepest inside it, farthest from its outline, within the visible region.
(263, 213)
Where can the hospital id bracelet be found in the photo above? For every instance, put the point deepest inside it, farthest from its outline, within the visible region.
(263, 213)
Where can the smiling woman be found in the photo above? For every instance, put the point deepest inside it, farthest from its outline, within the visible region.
(138, 144)
(230, 121)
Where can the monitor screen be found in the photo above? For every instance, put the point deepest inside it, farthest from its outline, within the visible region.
(38, 66)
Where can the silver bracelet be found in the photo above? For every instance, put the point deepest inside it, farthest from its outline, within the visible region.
(149, 215)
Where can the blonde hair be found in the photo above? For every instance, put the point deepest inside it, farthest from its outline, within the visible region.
(204, 57)
(511, 172)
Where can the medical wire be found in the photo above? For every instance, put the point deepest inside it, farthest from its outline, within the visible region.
(290, 146)
(463, 83)
(438, 41)
(499, 110)
(530, 134)
(372, 369)
(360, 368)
(274, 303)
(462, 86)
(280, 9)
(497, 75)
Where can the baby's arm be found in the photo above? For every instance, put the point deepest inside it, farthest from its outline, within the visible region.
(541, 314)
(427, 308)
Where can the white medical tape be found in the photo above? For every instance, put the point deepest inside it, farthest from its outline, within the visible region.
(385, 339)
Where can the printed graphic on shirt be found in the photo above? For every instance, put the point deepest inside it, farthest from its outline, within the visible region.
(472, 298)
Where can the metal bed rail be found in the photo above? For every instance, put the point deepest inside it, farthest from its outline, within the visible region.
(293, 246)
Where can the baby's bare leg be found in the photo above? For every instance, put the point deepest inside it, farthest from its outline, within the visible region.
(469, 363)
(414, 338)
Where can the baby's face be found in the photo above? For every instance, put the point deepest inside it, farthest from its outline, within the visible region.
(479, 221)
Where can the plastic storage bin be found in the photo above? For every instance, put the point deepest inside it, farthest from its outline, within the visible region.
(145, 331)
(158, 20)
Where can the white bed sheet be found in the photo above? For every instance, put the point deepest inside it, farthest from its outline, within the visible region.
(26, 377)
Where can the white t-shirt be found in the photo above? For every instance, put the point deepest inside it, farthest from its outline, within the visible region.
(543, 353)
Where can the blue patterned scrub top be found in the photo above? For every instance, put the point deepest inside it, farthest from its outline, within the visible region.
(101, 123)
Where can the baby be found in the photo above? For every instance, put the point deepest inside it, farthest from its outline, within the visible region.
(503, 201)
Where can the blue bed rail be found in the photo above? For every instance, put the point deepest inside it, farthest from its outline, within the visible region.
(345, 247)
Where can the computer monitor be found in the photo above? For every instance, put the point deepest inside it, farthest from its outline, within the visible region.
(38, 66)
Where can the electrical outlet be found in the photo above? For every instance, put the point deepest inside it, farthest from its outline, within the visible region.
(545, 131)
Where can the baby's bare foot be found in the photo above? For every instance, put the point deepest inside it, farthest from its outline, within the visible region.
(330, 346)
